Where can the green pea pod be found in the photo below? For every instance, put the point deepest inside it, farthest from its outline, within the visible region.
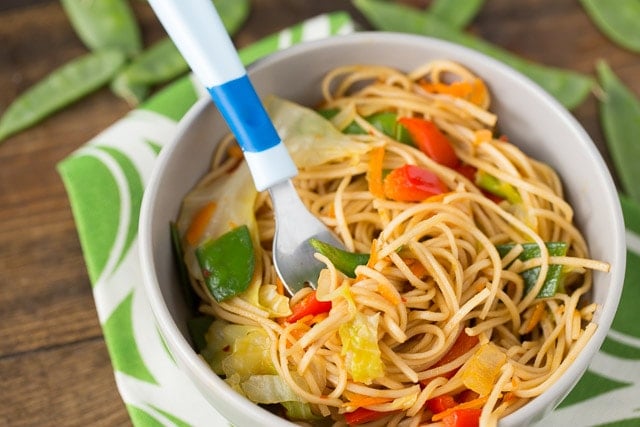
(227, 263)
(233, 13)
(183, 274)
(159, 63)
(63, 86)
(456, 13)
(163, 62)
(554, 281)
(618, 20)
(344, 261)
(198, 327)
(105, 24)
(568, 87)
(620, 118)
(498, 187)
(385, 122)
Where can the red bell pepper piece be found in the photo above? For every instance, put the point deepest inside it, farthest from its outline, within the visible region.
(467, 417)
(364, 415)
(441, 403)
(464, 343)
(411, 183)
(308, 305)
(430, 140)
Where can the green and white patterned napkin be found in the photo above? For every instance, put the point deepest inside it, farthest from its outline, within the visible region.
(105, 180)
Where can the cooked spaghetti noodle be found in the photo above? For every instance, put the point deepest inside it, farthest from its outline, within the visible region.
(437, 314)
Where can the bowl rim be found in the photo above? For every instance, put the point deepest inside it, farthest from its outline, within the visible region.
(179, 345)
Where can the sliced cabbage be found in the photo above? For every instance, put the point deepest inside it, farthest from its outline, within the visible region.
(311, 139)
(238, 350)
(359, 338)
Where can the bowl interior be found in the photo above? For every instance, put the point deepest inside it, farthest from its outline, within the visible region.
(531, 119)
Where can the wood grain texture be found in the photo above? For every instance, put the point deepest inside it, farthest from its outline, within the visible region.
(54, 365)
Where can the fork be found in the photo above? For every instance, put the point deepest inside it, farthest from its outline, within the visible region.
(197, 30)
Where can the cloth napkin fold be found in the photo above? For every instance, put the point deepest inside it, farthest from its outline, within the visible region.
(105, 180)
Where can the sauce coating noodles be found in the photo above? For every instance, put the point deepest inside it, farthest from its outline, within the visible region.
(392, 340)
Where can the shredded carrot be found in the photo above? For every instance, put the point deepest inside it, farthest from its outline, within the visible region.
(359, 400)
(474, 91)
(388, 294)
(373, 254)
(235, 151)
(536, 316)
(199, 223)
(416, 267)
(375, 172)
(279, 285)
(472, 404)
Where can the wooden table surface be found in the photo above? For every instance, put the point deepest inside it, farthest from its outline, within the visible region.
(54, 366)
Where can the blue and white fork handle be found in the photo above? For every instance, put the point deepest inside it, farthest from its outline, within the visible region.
(197, 30)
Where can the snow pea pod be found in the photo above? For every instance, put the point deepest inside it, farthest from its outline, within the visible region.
(568, 87)
(227, 263)
(105, 24)
(159, 63)
(620, 118)
(618, 20)
(162, 62)
(344, 261)
(456, 13)
(63, 86)
(554, 281)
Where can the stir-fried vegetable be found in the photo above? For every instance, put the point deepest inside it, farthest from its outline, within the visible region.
(359, 338)
(497, 187)
(308, 306)
(411, 183)
(344, 261)
(227, 263)
(481, 371)
(430, 140)
(311, 139)
(364, 415)
(554, 280)
(463, 344)
(385, 121)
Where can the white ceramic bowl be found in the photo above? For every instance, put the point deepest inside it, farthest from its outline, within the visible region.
(531, 118)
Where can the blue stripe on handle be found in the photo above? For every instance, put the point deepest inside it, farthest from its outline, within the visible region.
(241, 107)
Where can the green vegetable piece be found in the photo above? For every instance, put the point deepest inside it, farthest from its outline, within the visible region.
(554, 281)
(620, 118)
(456, 13)
(344, 261)
(386, 122)
(568, 87)
(233, 13)
(498, 187)
(163, 62)
(299, 411)
(227, 263)
(160, 63)
(105, 24)
(62, 87)
(183, 274)
(618, 20)
(198, 327)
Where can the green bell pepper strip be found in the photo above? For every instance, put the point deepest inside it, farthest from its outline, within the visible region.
(385, 121)
(227, 263)
(344, 261)
(554, 281)
(497, 187)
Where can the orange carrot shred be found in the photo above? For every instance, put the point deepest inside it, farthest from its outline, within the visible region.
(279, 286)
(199, 223)
(472, 404)
(375, 172)
(360, 400)
(536, 316)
